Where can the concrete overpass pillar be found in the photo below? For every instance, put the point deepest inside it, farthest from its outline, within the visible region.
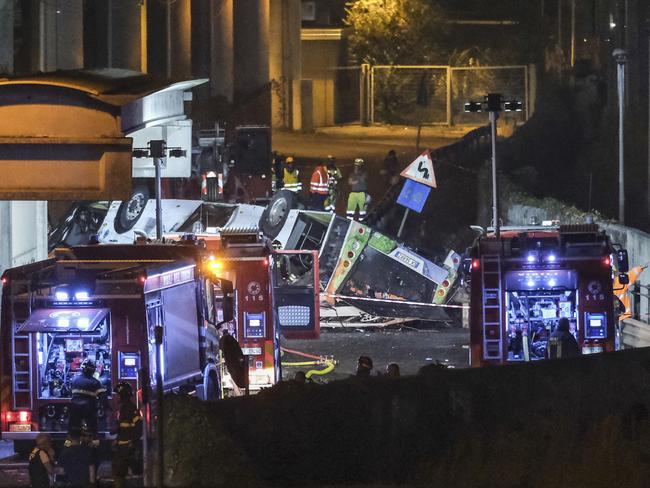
(61, 35)
(285, 63)
(251, 61)
(222, 48)
(6, 36)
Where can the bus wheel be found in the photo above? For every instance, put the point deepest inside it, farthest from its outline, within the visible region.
(212, 384)
(276, 212)
(130, 210)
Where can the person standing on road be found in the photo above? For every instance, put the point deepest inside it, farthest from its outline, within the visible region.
(277, 169)
(41, 462)
(358, 196)
(390, 171)
(291, 176)
(364, 367)
(318, 188)
(83, 405)
(562, 343)
(77, 462)
(129, 432)
(334, 178)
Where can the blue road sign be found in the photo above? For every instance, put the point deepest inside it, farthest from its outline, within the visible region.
(414, 195)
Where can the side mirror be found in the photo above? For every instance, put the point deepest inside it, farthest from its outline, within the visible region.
(623, 278)
(623, 262)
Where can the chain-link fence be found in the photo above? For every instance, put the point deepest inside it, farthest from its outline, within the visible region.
(413, 95)
(410, 95)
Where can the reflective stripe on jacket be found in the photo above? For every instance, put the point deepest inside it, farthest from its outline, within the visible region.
(291, 181)
(319, 181)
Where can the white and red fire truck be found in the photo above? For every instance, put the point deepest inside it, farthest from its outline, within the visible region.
(525, 281)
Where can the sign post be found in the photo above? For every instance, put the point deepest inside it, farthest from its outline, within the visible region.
(420, 178)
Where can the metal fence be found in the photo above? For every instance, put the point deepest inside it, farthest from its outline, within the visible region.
(409, 95)
(413, 95)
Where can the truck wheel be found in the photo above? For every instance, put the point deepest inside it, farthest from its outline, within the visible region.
(212, 386)
(131, 210)
(276, 212)
(212, 185)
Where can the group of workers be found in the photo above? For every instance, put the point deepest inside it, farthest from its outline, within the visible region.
(325, 184)
(77, 463)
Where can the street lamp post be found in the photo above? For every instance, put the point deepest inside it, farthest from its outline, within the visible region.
(493, 103)
(620, 55)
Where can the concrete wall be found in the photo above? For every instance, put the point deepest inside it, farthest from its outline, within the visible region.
(318, 60)
(519, 212)
(580, 422)
(23, 227)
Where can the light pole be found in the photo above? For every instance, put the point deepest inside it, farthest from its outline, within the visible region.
(156, 150)
(620, 55)
(493, 103)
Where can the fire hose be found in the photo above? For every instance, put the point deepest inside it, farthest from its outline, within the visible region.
(329, 363)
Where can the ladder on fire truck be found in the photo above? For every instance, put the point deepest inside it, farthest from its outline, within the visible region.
(21, 350)
(492, 306)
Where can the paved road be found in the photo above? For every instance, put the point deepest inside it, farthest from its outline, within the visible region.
(411, 349)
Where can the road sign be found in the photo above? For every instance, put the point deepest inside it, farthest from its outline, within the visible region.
(421, 170)
(414, 195)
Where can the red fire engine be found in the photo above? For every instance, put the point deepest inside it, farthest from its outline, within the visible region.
(103, 303)
(110, 303)
(524, 282)
(275, 293)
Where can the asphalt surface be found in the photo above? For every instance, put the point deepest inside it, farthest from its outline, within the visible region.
(410, 348)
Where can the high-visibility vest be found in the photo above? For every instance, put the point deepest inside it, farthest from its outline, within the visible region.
(319, 181)
(291, 181)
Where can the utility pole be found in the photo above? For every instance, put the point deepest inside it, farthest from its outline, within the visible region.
(620, 55)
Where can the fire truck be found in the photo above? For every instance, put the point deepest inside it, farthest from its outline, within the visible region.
(103, 303)
(111, 302)
(525, 281)
(275, 293)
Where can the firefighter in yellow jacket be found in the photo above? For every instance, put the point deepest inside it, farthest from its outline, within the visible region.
(291, 176)
(129, 431)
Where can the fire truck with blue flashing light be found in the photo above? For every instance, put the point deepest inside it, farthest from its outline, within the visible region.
(103, 303)
(107, 301)
(526, 280)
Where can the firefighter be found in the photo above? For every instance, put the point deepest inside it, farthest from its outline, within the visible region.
(41, 462)
(562, 343)
(358, 196)
(291, 176)
(129, 432)
(83, 405)
(334, 177)
(319, 187)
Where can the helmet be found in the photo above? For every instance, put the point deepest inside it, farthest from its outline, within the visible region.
(123, 389)
(359, 162)
(88, 366)
(331, 160)
(289, 160)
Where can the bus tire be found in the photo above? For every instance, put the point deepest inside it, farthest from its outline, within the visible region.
(276, 212)
(132, 209)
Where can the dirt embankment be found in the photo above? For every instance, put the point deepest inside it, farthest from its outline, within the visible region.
(580, 422)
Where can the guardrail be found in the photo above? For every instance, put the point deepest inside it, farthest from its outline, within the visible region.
(635, 333)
